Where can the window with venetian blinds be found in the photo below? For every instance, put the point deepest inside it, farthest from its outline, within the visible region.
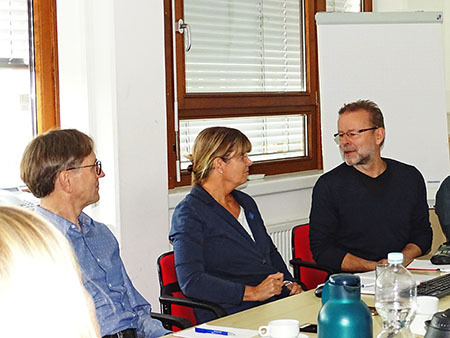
(28, 78)
(252, 66)
(272, 137)
(14, 42)
(245, 46)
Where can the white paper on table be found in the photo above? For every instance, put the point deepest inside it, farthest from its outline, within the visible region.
(235, 332)
(420, 264)
(368, 281)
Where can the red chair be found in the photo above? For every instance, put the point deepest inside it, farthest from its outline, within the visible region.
(305, 269)
(173, 301)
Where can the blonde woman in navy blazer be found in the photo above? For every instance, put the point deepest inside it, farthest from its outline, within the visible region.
(223, 253)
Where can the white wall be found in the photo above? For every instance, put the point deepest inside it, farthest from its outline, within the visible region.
(112, 86)
(141, 139)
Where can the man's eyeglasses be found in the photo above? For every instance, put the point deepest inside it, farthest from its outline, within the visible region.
(97, 164)
(351, 134)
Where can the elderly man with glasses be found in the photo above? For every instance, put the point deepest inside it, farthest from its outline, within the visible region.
(368, 206)
(60, 168)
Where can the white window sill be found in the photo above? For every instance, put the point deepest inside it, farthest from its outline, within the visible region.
(273, 184)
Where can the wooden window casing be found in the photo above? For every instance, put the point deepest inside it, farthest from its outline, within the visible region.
(46, 64)
(210, 105)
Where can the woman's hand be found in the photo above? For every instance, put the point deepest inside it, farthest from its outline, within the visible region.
(269, 287)
(294, 287)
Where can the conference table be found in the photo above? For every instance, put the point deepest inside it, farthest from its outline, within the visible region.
(304, 307)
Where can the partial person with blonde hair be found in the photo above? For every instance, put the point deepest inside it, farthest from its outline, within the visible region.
(41, 293)
(223, 253)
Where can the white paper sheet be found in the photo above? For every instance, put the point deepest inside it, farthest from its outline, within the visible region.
(234, 332)
(368, 281)
(419, 264)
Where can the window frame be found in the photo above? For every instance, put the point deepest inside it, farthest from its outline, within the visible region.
(46, 65)
(210, 105)
(367, 5)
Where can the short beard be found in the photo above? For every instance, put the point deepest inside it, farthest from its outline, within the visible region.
(363, 160)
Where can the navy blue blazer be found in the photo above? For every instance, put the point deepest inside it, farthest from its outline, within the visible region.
(214, 255)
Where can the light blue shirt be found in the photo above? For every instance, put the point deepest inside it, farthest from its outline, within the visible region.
(118, 304)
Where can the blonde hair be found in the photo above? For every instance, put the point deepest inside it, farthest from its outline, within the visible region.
(212, 143)
(41, 293)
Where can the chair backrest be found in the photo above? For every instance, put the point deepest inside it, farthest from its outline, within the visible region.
(167, 275)
(300, 249)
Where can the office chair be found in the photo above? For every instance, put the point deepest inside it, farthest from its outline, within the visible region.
(170, 321)
(305, 269)
(173, 301)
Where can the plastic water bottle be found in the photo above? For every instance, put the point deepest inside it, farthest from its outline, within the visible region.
(395, 298)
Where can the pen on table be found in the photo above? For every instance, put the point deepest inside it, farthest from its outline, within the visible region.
(223, 333)
(367, 285)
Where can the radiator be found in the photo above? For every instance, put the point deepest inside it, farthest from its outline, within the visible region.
(281, 237)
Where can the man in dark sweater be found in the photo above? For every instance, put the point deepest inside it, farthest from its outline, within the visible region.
(442, 207)
(368, 206)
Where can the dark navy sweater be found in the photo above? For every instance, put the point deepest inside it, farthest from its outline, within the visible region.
(368, 217)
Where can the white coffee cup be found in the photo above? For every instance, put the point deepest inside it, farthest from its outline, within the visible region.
(426, 307)
(280, 328)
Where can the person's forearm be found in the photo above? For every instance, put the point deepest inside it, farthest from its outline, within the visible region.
(354, 263)
(250, 293)
(410, 252)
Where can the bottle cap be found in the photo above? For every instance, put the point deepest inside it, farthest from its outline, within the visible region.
(345, 279)
(395, 258)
